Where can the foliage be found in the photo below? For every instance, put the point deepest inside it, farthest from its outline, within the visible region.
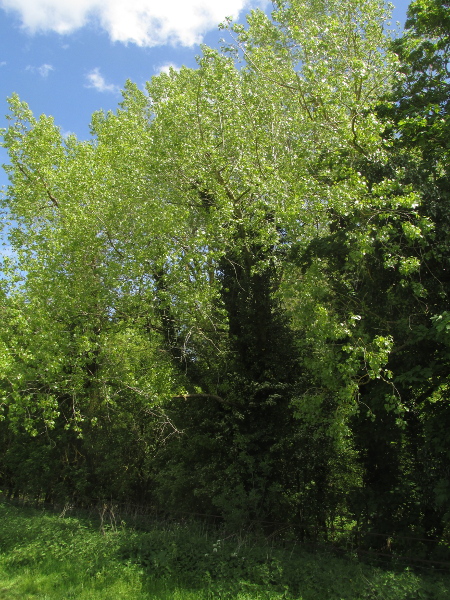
(233, 298)
(384, 262)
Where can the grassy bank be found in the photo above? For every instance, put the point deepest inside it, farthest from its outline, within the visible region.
(54, 558)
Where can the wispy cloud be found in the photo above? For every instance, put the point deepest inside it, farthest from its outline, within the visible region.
(142, 22)
(97, 82)
(2, 63)
(43, 70)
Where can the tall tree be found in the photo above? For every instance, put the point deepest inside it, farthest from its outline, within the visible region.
(167, 259)
(387, 262)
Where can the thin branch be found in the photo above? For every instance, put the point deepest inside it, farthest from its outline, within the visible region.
(53, 200)
(355, 136)
(119, 252)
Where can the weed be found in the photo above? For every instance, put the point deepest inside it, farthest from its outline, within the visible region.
(46, 557)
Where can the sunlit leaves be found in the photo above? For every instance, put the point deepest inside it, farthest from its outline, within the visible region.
(122, 239)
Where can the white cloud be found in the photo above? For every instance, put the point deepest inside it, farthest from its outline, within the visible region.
(61, 16)
(165, 68)
(66, 133)
(97, 81)
(2, 63)
(43, 70)
(142, 22)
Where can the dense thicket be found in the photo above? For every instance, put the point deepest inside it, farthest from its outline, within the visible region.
(232, 299)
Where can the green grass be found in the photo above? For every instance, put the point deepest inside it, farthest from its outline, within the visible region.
(46, 557)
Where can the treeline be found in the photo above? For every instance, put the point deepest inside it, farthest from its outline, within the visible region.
(234, 298)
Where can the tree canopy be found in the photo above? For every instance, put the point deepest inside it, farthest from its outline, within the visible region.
(233, 296)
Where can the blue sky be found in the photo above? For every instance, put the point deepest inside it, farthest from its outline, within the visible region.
(68, 58)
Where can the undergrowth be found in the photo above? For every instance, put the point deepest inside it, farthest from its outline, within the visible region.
(44, 556)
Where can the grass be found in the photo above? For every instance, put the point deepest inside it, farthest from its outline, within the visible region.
(46, 557)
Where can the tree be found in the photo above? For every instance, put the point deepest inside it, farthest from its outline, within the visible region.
(386, 261)
(171, 258)
(419, 122)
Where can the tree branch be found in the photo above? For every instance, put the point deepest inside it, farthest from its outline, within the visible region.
(53, 200)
